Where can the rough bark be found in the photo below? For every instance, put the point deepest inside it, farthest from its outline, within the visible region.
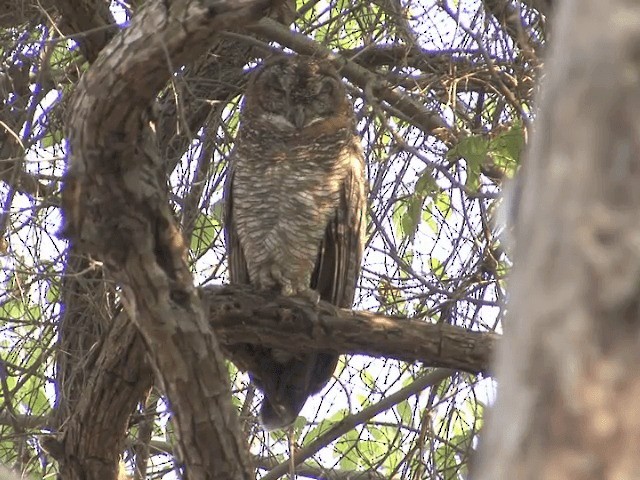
(90, 24)
(568, 366)
(116, 208)
(93, 435)
(83, 324)
(101, 366)
(242, 316)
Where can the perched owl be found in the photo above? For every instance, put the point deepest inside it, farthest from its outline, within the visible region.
(295, 203)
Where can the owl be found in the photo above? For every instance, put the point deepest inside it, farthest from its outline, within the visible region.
(295, 203)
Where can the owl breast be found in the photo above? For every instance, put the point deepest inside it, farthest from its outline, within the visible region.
(284, 219)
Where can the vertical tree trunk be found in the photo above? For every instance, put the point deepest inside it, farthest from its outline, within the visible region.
(116, 207)
(569, 367)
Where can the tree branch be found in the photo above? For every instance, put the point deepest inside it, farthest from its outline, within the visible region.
(92, 438)
(90, 24)
(568, 368)
(352, 421)
(240, 315)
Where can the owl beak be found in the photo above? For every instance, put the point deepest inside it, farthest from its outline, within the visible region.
(299, 117)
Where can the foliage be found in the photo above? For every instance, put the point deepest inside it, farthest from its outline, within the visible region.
(433, 199)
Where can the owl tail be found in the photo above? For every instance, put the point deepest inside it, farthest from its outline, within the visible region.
(274, 416)
(285, 393)
(290, 385)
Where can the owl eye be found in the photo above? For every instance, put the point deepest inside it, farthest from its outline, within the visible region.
(273, 86)
(274, 95)
(278, 91)
(328, 87)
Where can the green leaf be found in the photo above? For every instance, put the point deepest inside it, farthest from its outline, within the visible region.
(299, 423)
(472, 182)
(442, 202)
(445, 458)
(367, 378)
(506, 149)
(35, 399)
(410, 216)
(62, 55)
(391, 298)
(426, 184)
(282, 435)
(310, 15)
(14, 309)
(204, 232)
(405, 412)
(324, 425)
(53, 290)
(34, 313)
(350, 457)
(443, 388)
(474, 149)
(11, 381)
(429, 219)
(321, 33)
(371, 451)
(407, 258)
(437, 268)
(386, 445)
(7, 448)
(363, 400)
(52, 138)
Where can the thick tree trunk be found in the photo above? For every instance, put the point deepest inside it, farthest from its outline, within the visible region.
(94, 433)
(116, 207)
(568, 369)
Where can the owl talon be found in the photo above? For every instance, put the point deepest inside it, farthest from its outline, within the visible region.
(304, 297)
(311, 295)
(286, 289)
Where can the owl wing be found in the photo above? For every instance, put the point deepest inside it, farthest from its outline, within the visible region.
(246, 357)
(339, 257)
(340, 253)
(236, 262)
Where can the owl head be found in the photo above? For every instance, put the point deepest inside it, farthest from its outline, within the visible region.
(296, 92)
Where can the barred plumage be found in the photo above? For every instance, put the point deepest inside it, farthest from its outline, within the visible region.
(295, 210)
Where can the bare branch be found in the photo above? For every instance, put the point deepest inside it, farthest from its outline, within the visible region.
(89, 23)
(431, 378)
(240, 315)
